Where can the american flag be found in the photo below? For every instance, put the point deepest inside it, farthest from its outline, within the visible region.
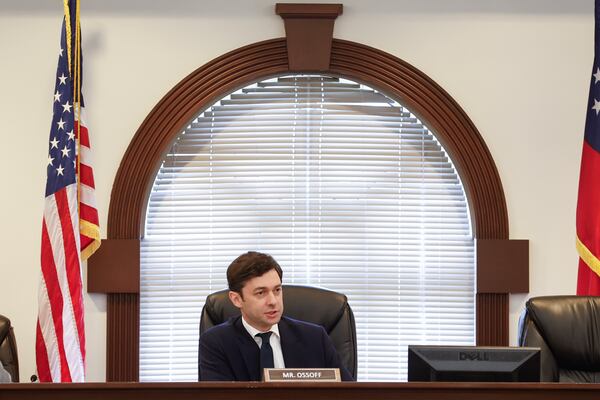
(588, 209)
(70, 231)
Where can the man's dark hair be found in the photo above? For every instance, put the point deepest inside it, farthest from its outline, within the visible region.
(250, 265)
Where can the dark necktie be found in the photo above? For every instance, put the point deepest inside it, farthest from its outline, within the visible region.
(266, 351)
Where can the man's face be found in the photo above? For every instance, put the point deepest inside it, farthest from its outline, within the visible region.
(261, 302)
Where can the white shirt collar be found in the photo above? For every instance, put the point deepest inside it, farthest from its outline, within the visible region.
(253, 331)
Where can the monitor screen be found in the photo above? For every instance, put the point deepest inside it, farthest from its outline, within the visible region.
(473, 364)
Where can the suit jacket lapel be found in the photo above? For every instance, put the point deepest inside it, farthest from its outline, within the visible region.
(289, 344)
(248, 349)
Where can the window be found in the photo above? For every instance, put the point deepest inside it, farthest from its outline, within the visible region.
(343, 186)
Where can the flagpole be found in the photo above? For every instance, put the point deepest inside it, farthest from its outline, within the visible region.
(77, 97)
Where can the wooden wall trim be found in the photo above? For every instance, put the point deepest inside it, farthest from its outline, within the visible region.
(308, 32)
(115, 267)
(492, 319)
(380, 70)
(509, 256)
(122, 333)
(309, 10)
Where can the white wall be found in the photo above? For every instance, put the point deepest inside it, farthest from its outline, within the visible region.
(519, 68)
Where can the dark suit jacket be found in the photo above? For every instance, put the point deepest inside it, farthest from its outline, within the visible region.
(228, 353)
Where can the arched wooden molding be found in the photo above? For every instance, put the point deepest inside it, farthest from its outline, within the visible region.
(234, 70)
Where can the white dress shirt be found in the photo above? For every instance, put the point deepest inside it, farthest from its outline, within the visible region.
(274, 340)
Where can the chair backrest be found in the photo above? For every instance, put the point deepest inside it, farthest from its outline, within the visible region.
(8, 349)
(311, 304)
(567, 330)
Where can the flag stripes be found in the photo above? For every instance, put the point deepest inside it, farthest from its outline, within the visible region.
(61, 323)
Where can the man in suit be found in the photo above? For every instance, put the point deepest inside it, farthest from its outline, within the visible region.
(238, 350)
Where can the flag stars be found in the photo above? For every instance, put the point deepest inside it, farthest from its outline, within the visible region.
(60, 170)
(60, 53)
(54, 143)
(63, 79)
(67, 107)
(61, 124)
(71, 135)
(65, 151)
(597, 75)
(50, 160)
(57, 96)
(596, 106)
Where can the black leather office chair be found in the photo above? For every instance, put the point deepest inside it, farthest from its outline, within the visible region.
(8, 349)
(319, 306)
(567, 329)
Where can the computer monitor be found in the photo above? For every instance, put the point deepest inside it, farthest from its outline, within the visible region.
(473, 364)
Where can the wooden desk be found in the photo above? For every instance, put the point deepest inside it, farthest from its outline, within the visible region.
(299, 391)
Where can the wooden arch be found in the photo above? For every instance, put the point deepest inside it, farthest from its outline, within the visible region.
(234, 70)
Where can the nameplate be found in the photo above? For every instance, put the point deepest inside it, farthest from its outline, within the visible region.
(302, 375)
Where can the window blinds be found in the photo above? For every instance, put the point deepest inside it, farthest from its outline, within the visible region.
(343, 186)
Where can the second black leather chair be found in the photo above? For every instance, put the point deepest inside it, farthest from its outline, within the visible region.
(567, 330)
(8, 349)
(319, 306)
